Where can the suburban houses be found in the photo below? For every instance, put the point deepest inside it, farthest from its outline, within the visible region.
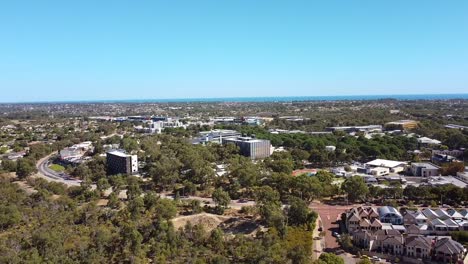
(422, 235)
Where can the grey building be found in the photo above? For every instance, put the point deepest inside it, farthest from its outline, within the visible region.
(251, 147)
(423, 169)
(118, 162)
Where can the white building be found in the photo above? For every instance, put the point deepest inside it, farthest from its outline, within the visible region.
(392, 165)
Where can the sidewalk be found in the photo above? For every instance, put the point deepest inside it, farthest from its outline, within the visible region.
(317, 247)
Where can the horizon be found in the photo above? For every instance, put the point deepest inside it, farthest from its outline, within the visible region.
(351, 97)
(61, 51)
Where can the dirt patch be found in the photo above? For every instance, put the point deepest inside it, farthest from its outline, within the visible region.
(102, 202)
(240, 225)
(26, 187)
(208, 221)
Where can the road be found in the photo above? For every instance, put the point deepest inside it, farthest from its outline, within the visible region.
(330, 215)
(46, 173)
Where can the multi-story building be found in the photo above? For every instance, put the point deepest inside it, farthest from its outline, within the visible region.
(251, 147)
(118, 162)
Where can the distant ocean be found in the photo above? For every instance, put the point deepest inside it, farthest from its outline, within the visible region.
(282, 98)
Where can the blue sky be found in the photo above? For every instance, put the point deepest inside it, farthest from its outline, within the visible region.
(91, 50)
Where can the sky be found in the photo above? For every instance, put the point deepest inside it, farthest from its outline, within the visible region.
(97, 50)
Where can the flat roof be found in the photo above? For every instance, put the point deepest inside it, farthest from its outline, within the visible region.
(118, 153)
(426, 165)
(385, 163)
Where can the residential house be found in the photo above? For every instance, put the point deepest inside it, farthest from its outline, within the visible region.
(418, 247)
(447, 250)
(391, 215)
(414, 217)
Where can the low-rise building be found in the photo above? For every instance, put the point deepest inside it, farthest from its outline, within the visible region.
(392, 165)
(402, 125)
(424, 169)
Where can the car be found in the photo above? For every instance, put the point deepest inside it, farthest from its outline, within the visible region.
(339, 252)
(335, 234)
(375, 258)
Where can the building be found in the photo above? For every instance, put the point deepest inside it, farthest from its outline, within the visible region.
(392, 165)
(418, 247)
(425, 141)
(452, 126)
(463, 176)
(330, 148)
(401, 125)
(418, 241)
(350, 129)
(251, 147)
(423, 169)
(390, 215)
(118, 162)
(215, 136)
(448, 251)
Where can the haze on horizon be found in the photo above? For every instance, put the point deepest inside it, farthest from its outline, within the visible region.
(95, 50)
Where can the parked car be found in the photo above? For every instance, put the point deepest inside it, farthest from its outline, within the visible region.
(376, 259)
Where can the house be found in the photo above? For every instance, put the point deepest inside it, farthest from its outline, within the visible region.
(451, 225)
(442, 214)
(422, 169)
(454, 214)
(430, 214)
(418, 247)
(464, 213)
(391, 215)
(438, 225)
(393, 245)
(414, 217)
(448, 251)
(362, 239)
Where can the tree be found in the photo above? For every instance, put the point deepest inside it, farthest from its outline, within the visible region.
(25, 167)
(355, 187)
(9, 215)
(221, 199)
(365, 261)
(298, 212)
(165, 208)
(330, 258)
(452, 168)
(102, 185)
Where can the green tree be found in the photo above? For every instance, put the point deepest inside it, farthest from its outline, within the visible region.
(330, 258)
(25, 167)
(355, 187)
(9, 215)
(221, 199)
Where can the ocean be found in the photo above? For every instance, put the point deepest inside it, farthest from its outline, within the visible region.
(282, 98)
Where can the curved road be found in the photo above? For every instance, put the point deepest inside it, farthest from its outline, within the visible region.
(45, 172)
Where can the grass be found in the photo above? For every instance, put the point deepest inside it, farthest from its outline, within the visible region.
(57, 168)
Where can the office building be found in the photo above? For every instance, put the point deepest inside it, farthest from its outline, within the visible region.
(251, 147)
(118, 162)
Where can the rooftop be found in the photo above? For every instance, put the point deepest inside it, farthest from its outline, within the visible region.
(385, 163)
